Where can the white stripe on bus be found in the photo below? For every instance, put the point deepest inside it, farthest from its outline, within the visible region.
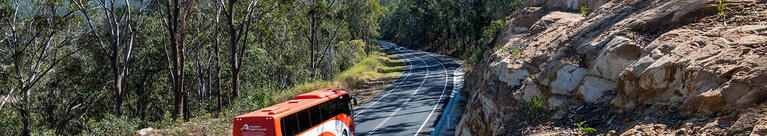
(336, 127)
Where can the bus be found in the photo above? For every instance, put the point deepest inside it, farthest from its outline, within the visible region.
(325, 112)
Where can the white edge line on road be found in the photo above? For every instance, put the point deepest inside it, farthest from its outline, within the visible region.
(438, 100)
(403, 104)
(409, 72)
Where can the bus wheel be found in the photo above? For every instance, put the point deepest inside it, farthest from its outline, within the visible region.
(346, 133)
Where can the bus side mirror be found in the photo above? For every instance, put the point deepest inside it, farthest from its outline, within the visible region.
(354, 100)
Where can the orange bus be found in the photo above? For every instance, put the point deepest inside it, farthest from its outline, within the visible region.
(325, 112)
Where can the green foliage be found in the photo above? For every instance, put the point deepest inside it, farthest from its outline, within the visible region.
(583, 130)
(536, 103)
(476, 56)
(10, 123)
(489, 32)
(6, 10)
(458, 28)
(584, 10)
(721, 7)
(251, 101)
(534, 108)
(514, 52)
(349, 52)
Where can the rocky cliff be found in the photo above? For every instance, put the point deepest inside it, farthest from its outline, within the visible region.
(631, 67)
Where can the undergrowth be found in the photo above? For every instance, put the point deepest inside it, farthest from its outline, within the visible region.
(582, 130)
(534, 109)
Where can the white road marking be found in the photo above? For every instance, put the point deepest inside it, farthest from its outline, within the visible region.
(401, 105)
(410, 69)
(438, 100)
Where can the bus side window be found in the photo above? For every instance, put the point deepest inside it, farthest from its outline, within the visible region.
(346, 106)
(315, 115)
(304, 119)
(290, 125)
(325, 111)
(337, 106)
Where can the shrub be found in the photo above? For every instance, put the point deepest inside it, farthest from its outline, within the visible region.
(534, 109)
(349, 52)
(536, 104)
(251, 101)
(489, 32)
(583, 130)
(721, 6)
(584, 10)
(113, 125)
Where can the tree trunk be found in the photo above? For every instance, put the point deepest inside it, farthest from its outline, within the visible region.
(233, 39)
(217, 83)
(177, 47)
(118, 81)
(25, 113)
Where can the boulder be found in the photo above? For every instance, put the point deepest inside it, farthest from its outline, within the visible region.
(509, 72)
(144, 131)
(567, 79)
(556, 102)
(705, 103)
(530, 91)
(617, 55)
(593, 88)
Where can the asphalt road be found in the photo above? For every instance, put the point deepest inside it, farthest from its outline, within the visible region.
(412, 104)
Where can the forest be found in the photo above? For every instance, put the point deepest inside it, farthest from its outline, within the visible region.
(93, 67)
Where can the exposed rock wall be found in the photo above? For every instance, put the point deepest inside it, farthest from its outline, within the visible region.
(625, 53)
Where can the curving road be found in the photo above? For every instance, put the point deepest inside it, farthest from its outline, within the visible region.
(412, 104)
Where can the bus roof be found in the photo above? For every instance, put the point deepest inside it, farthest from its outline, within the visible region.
(298, 103)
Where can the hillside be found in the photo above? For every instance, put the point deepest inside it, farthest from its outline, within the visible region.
(625, 67)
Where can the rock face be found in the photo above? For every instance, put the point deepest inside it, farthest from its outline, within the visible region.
(567, 79)
(760, 129)
(628, 53)
(565, 4)
(593, 88)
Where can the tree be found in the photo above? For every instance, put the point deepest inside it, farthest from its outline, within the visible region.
(363, 19)
(216, 49)
(117, 42)
(318, 13)
(177, 31)
(35, 46)
(236, 32)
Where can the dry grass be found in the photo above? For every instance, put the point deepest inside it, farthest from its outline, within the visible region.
(377, 66)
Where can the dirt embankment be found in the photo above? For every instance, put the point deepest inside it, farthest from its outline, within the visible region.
(626, 67)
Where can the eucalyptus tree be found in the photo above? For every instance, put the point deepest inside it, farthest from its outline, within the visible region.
(176, 23)
(116, 37)
(325, 19)
(32, 46)
(236, 33)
